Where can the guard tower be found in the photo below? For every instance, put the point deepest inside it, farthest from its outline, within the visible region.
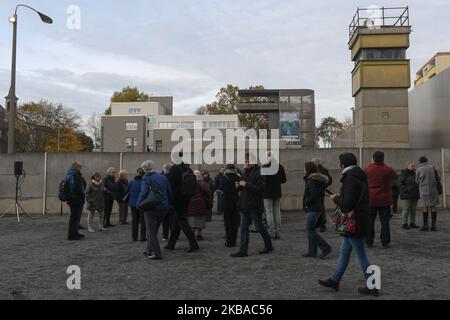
(379, 39)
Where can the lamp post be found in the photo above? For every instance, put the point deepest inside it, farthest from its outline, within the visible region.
(11, 100)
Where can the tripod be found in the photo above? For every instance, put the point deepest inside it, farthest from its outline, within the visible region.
(18, 207)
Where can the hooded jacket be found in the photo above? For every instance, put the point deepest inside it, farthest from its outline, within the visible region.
(355, 196)
(313, 199)
(94, 196)
(77, 187)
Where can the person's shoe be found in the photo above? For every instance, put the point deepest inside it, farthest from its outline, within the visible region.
(433, 229)
(143, 240)
(385, 246)
(414, 226)
(239, 255)
(147, 254)
(91, 230)
(368, 292)
(102, 229)
(154, 258)
(169, 248)
(110, 225)
(266, 251)
(329, 284)
(406, 227)
(80, 227)
(325, 254)
(425, 229)
(80, 235)
(165, 239)
(200, 238)
(192, 249)
(308, 255)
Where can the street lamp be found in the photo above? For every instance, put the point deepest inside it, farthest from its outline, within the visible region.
(12, 99)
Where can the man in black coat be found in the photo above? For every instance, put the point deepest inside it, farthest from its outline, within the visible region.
(76, 186)
(322, 224)
(181, 203)
(272, 200)
(109, 195)
(251, 206)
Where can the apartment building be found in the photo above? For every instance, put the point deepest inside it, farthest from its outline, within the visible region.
(439, 63)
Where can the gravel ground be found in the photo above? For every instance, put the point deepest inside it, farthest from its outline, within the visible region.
(35, 256)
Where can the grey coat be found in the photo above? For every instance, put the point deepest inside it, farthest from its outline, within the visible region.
(426, 178)
(94, 197)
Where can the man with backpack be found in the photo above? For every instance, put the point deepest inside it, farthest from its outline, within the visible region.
(72, 191)
(184, 185)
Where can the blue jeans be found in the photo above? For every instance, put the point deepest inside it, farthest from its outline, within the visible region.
(219, 202)
(348, 245)
(314, 239)
(246, 221)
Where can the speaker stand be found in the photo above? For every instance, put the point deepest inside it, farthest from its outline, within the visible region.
(19, 210)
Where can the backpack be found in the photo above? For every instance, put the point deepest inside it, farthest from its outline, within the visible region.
(63, 193)
(189, 184)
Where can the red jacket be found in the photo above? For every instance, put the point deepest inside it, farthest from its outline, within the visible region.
(380, 184)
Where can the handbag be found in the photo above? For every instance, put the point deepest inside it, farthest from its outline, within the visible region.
(438, 182)
(345, 223)
(154, 198)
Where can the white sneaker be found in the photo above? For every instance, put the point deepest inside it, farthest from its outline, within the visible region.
(102, 229)
(90, 230)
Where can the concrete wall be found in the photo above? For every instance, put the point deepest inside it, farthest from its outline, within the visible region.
(37, 183)
(429, 113)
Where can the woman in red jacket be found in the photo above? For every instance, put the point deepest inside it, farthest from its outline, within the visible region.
(198, 207)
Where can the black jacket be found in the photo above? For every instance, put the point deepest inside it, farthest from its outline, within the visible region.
(355, 188)
(326, 172)
(251, 198)
(110, 188)
(409, 189)
(230, 192)
(217, 181)
(313, 199)
(273, 183)
(121, 190)
(180, 202)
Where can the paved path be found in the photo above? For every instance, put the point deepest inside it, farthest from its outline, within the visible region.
(34, 258)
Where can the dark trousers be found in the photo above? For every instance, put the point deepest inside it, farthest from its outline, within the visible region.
(180, 222)
(123, 212)
(232, 220)
(322, 222)
(138, 220)
(153, 220)
(385, 219)
(314, 239)
(246, 220)
(108, 210)
(167, 224)
(74, 220)
(395, 205)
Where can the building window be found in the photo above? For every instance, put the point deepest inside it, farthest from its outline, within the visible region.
(159, 146)
(131, 126)
(381, 54)
(129, 142)
(134, 111)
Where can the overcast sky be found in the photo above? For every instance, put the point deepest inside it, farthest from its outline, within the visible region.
(190, 48)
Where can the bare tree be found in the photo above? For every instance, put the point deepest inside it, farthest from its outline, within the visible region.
(94, 129)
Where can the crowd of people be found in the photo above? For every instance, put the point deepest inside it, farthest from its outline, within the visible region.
(181, 199)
